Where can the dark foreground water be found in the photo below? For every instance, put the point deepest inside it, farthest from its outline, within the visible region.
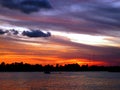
(60, 81)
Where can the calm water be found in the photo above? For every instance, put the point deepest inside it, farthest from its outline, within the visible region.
(60, 81)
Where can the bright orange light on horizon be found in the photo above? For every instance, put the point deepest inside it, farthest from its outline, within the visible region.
(47, 60)
(41, 53)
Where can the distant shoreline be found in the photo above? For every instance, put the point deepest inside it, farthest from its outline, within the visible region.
(21, 67)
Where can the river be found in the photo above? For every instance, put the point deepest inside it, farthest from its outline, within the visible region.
(59, 81)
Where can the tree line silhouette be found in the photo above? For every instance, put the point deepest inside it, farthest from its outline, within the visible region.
(25, 67)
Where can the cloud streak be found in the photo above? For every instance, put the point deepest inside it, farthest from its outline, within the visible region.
(2, 32)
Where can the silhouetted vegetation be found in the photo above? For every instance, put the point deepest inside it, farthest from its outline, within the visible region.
(25, 67)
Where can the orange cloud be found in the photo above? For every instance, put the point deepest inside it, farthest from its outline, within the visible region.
(51, 51)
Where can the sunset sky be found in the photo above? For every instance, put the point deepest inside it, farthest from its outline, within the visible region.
(60, 31)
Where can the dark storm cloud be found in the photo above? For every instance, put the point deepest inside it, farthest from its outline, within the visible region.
(2, 32)
(26, 6)
(36, 33)
(15, 32)
(30, 33)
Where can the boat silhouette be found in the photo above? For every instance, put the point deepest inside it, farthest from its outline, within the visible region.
(47, 72)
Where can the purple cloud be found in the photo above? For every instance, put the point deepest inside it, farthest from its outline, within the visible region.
(26, 6)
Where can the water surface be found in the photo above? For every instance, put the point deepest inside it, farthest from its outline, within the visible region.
(59, 81)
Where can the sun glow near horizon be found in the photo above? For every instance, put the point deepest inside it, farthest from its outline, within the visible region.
(47, 60)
